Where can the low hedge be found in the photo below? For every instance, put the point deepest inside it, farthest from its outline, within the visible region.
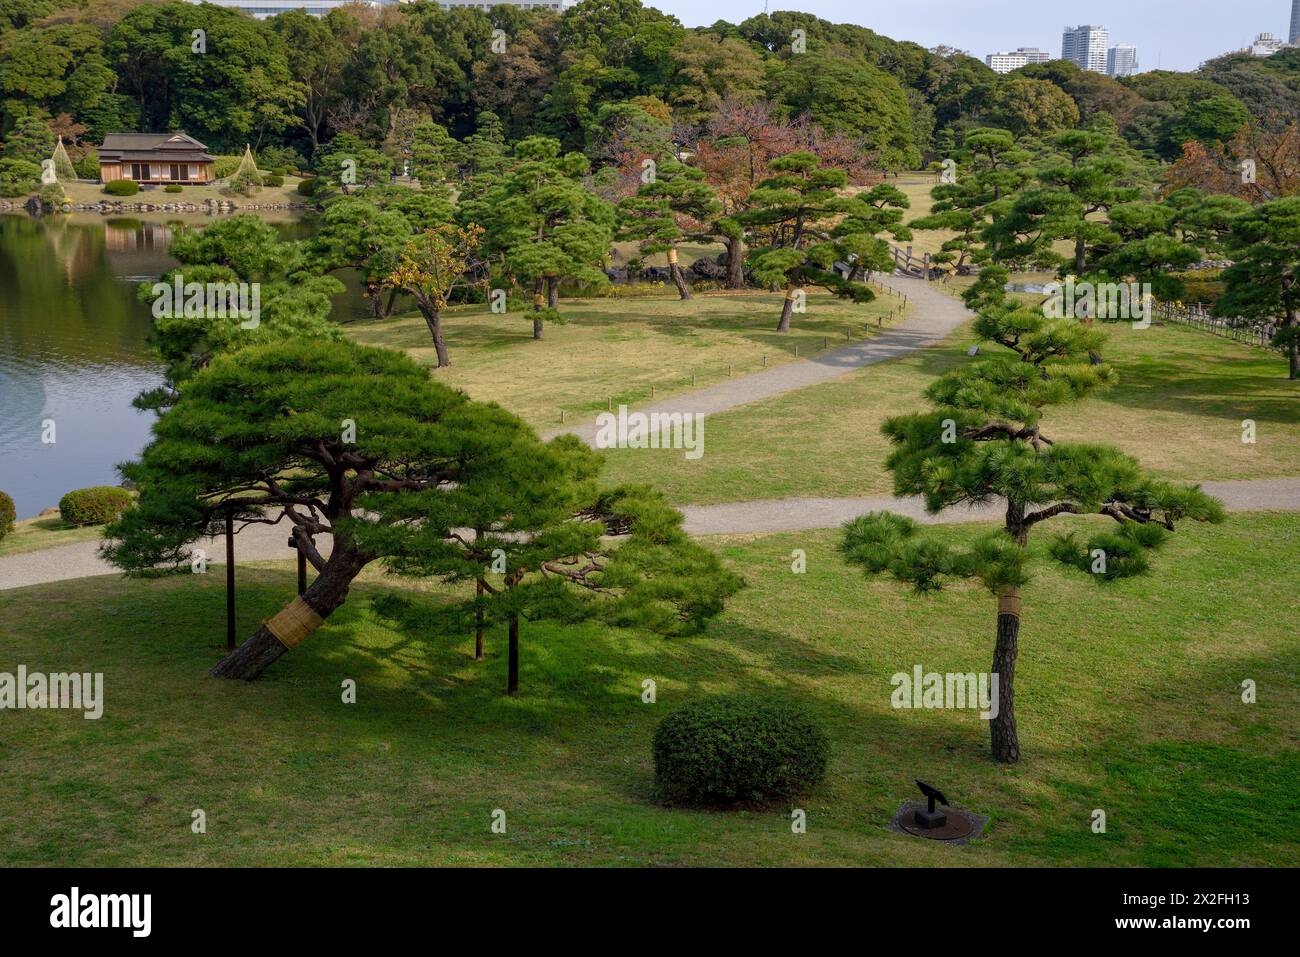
(172, 188)
(737, 749)
(275, 179)
(7, 515)
(121, 187)
(307, 187)
(97, 505)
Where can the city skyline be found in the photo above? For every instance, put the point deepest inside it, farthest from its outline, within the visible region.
(1169, 34)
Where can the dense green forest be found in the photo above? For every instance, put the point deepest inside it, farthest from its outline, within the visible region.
(604, 77)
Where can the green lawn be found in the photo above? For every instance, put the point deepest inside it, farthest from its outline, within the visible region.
(87, 192)
(1128, 701)
(621, 348)
(31, 534)
(1178, 407)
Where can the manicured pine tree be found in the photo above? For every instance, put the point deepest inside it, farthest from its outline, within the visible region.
(1264, 279)
(295, 302)
(678, 195)
(985, 441)
(1087, 174)
(791, 216)
(543, 226)
(307, 432)
(991, 169)
(530, 534)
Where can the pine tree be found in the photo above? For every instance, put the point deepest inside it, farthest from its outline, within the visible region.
(678, 194)
(543, 226)
(984, 441)
(792, 215)
(530, 534)
(1264, 280)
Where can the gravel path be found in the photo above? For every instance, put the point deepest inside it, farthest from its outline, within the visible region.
(264, 543)
(934, 316)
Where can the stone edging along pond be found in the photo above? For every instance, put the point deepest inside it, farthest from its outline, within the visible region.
(34, 206)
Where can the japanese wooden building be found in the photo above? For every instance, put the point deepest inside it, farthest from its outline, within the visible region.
(155, 158)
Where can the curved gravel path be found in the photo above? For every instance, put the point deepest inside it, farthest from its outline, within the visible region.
(268, 543)
(934, 316)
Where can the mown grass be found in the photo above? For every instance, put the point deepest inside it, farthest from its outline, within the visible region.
(1128, 699)
(31, 534)
(1179, 407)
(620, 349)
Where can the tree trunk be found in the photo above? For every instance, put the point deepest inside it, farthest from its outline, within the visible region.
(1002, 728)
(434, 321)
(512, 668)
(787, 310)
(539, 293)
(323, 596)
(679, 278)
(736, 263)
(479, 653)
(553, 292)
(1080, 258)
(1293, 353)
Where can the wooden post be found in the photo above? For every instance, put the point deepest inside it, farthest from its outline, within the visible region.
(230, 580)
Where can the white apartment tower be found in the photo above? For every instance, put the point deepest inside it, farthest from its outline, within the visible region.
(1294, 36)
(1087, 46)
(1122, 60)
(1022, 56)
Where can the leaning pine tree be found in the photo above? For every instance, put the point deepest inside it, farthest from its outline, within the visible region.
(302, 433)
(677, 196)
(984, 443)
(357, 447)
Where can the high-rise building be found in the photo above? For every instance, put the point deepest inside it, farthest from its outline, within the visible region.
(1266, 45)
(1295, 22)
(1086, 46)
(261, 9)
(1022, 56)
(1122, 60)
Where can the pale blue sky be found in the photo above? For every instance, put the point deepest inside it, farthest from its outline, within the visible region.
(1176, 34)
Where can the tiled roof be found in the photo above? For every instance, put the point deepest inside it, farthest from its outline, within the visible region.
(178, 147)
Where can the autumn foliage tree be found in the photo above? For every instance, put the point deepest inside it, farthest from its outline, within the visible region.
(432, 265)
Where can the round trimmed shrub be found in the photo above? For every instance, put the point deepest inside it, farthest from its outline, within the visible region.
(7, 515)
(737, 748)
(307, 187)
(275, 179)
(121, 187)
(97, 505)
(172, 188)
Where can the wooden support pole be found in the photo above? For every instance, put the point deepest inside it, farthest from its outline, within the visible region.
(230, 580)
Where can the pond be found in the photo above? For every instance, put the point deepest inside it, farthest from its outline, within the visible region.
(74, 347)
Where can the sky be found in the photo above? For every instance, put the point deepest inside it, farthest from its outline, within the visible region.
(1173, 34)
